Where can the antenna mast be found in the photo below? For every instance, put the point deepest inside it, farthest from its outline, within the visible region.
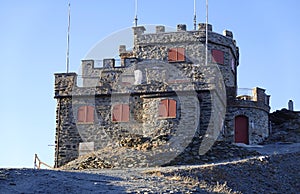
(206, 35)
(68, 39)
(136, 9)
(195, 17)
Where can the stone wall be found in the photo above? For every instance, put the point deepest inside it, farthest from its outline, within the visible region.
(144, 122)
(155, 47)
(67, 137)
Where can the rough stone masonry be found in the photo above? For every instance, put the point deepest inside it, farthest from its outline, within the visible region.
(162, 93)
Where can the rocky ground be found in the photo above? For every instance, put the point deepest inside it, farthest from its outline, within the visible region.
(279, 173)
(285, 127)
(272, 167)
(120, 157)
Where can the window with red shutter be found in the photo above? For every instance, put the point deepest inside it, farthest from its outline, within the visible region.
(180, 54)
(90, 114)
(163, 108)
(217, 56)
(85, 114)
(125, 113)
(120, 113)
(176, 54)
(116, 113)
(172, 108)
(172, 55)
(167, 108)
(81, 114)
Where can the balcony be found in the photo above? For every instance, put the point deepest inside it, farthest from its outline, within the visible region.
(256, 95)
(245, 94)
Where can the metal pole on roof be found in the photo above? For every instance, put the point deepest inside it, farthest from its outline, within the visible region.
(68, 39)
(136, 10)
(195, 16)
(206, 35)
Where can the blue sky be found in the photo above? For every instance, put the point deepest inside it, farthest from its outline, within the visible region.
(33, 47)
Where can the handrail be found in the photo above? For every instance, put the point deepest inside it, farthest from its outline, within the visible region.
(38, 163)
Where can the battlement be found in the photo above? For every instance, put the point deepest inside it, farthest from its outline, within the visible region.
(140, 30)
(183, 37)
(255, 98)
(151, 55)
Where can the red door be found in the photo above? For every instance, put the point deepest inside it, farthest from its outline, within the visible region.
(241, 133)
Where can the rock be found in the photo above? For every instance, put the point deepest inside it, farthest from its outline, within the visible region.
(285, 127)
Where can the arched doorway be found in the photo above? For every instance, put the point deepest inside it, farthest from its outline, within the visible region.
(241, 129)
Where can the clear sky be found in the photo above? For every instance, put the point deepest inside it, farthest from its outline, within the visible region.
(33, 47)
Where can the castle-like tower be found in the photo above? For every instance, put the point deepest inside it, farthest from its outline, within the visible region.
(162, 89)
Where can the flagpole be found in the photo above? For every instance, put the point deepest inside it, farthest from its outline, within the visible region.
(136, 9)
(68, 39)
(206, 35)
(195, 17)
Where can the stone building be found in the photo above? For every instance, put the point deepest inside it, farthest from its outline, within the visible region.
(163, 89)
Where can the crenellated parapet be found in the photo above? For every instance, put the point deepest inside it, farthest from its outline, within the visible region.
(258, 99)
(160, 37)
(64, 83)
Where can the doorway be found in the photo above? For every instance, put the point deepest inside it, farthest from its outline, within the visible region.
(241, 131)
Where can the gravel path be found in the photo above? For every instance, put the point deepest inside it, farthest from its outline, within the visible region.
(275, 148)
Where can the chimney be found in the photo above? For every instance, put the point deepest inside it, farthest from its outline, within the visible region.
(291, 105)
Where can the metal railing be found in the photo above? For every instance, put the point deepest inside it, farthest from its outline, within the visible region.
(99, 63)
(245, 94)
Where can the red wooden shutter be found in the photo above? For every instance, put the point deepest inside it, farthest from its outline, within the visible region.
(85, 114)
(90, 114)
(163, 108)
(125, 112)
(116, 113)
(172, 108)
(81, 114)
(121, 112)
(180, 54)
(218, 56)
(172, 55)
(176, 54)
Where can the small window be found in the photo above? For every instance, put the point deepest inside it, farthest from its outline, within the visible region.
(85, 114)
(233, 65)
(176, 55)
(120, 113)
(167, 108)
(217, 56)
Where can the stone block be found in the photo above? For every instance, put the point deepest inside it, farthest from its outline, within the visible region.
(181, 27)
(85, 148)
(108, 63)
(160, 29)
(228, 33)
(202, 26)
